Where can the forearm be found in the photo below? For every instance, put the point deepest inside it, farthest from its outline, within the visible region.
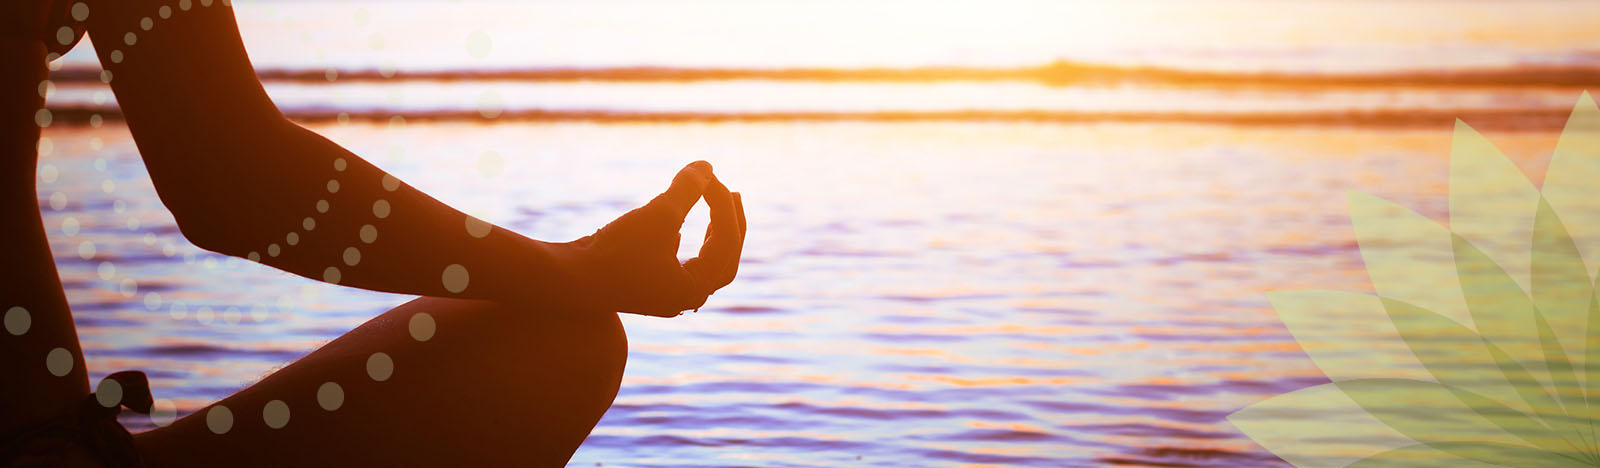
(286, 197)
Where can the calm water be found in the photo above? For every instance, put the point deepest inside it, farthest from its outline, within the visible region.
(973, 293)
(913, 294)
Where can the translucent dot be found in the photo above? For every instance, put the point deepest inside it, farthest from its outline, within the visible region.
(108, 393)
(47, 89)
(490, 105)
(96, 121)
(478, 44)
(205, 315)
(128, 287)
(322, 206)
(387, 68)
(86, 250)
(380, 209)
(119, 206)
(106, 271)
(108, 186)
(362, 16)
(369, 234)
(48, 173)
(150, 238)
(164, 12)
(219, 418)
(80, 11)
(421, 326)
(397, 122)
(59, 362)
(333, 186)
(100, 164)
(69, 226)
(18, 321)
(169, 249)
(205, 2)
(331, 74)
(291, 238)
(53, 61)
(42, 117)
(163, 412)
(258, 312)
(380, 367)
(331, 275)
(130, 38)
(454, 278)
(152, 300)
(254, 257)
(273, 250)
(352, 256)
(58, 201)
(390, 183)
(146, 23)
(185, 5)
(275, 414)
(375, 41)
(179, 310)
(478, 228)
(65, 35)
(339, 164)
(232, 315)
(330, 396)
(308, 223)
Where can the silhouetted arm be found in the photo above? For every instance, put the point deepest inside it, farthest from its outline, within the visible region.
(242, 180)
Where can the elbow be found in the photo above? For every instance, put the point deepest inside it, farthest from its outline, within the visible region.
(203, 234)
(206, 228)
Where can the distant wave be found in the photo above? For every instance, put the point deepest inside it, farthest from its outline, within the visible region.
(1500, 119)
(1056, 74)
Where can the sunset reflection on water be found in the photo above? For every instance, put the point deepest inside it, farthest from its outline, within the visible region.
(984, 292)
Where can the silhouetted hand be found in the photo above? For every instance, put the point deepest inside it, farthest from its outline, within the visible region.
(633, 260)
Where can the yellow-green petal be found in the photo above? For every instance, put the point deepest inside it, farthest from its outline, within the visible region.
(1408, 256)
(1492, 203)
(1570, 182)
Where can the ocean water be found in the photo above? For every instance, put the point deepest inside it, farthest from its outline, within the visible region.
(971, 288)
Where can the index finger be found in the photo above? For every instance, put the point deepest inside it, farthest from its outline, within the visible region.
(687, 187)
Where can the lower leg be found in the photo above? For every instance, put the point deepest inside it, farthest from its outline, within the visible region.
(486, 384)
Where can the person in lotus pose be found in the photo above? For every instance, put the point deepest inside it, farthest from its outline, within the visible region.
(528, 351)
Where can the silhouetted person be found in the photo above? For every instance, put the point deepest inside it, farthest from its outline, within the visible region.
(525, 352)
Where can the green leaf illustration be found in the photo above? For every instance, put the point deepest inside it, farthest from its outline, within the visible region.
(1424, 455)
(1570, 182)
(1483, 342)
(1491, 202)
(1408, 256)
(1463, 363)
(1348, 335)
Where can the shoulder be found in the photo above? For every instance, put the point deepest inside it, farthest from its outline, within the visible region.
(51, 22)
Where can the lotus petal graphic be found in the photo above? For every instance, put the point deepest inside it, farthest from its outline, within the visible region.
(1482, 344)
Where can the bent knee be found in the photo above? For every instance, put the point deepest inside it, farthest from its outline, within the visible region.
(581, 349)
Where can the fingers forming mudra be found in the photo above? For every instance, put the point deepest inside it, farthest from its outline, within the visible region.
(633, 260)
